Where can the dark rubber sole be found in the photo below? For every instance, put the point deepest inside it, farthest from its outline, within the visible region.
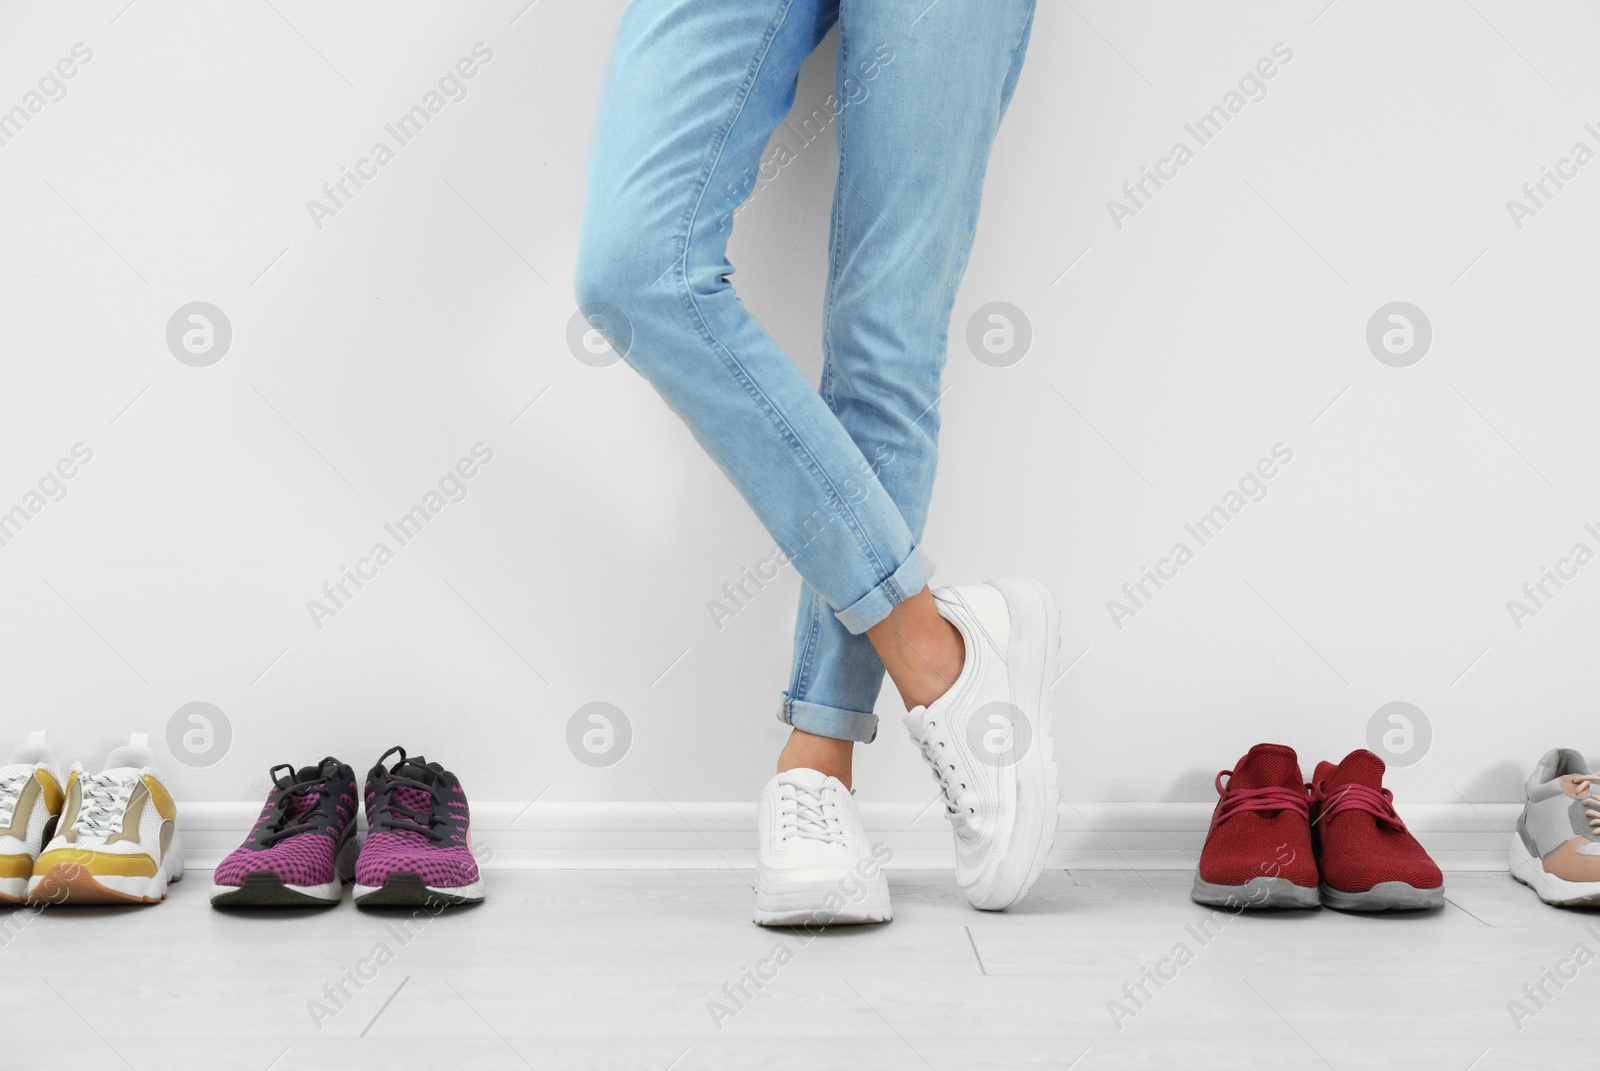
(265, 889)
(409, 890)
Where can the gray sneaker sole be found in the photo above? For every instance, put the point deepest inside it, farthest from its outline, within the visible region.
(1384, 896)
(1255, 894)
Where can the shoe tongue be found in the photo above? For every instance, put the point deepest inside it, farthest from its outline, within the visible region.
(419, 768)
(323, 770)
(1358, 768)
(1267, 766)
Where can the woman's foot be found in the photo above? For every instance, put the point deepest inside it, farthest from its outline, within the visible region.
(987, 737)
(814, 865)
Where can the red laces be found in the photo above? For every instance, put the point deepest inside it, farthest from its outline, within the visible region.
(1353, 797)
(1271, 798)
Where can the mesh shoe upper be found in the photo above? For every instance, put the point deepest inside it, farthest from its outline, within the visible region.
(1360, 838)
(31, 798)
(1260, 828)
(307, 816)
(418, 823)
(124, 810)
(1560, 821)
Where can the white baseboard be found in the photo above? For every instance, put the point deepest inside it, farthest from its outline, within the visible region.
(708, 835)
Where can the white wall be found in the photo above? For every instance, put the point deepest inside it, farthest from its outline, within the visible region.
(1228, 315)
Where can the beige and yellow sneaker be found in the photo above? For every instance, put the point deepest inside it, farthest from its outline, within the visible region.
(117, 841)
(30, 804)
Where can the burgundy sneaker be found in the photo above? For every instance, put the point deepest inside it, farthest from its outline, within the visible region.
(302, 849)
(418, 849)
(1369, 861)
(1258, 850)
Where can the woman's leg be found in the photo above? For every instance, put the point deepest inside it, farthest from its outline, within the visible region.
(693, 93)
(923, 91)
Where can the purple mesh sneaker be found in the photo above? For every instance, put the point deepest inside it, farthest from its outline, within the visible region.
(302, 848)
(418, 849)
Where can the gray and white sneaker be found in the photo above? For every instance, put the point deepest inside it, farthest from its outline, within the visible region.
(987, 740)
(815, 865)
(1556, 851)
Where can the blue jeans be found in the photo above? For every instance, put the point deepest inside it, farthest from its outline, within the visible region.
(841, 476)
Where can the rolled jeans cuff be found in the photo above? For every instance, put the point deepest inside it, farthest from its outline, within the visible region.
(818, 720)
(912, 576)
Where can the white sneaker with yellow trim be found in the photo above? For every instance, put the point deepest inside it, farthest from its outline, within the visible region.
(30, 804)
(117, 841)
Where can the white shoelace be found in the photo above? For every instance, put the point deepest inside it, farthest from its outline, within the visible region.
(105, 800)
(10, 793)
(813, 817)
(956, 808)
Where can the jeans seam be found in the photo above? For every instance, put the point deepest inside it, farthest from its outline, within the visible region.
(720, 137)
(808, 651)
(1014, 69)
(838, 223)
(832, 496)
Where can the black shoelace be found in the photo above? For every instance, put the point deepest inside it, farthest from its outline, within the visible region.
(280, 827)
(390, 814)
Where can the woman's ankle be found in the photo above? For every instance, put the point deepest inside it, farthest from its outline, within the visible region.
(824, 754)
(922, 652)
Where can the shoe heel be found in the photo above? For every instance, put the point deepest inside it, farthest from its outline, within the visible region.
(174, 858)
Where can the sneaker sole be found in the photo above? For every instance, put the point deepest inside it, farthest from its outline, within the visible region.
(1031, 605)
(266, 889)
(13, 891)
(1384, 896)
(1256, 894)
(71, 883)
(1557, 892)
(804, 907)
(407, 890)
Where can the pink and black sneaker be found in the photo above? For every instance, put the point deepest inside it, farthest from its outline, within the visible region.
(418, 850)
(303, 847)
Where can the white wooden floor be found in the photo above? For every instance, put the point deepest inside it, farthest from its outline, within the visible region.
(618, 969)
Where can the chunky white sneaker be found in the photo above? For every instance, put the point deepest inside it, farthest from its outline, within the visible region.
(988, 741)
(30, 804)
(117, 841)
(815, 866)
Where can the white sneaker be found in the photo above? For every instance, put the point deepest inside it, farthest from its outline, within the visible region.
(30, 803)
(117, 841)
(988, 741)
(815, 866)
